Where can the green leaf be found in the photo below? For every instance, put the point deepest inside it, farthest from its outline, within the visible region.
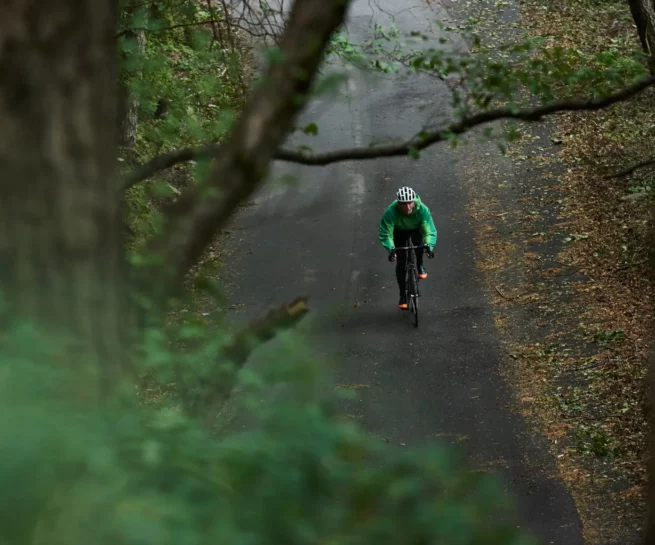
(312, 128)
(164, 189)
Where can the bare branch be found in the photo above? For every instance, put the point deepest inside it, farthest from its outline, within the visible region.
(216, 29)
(264, 330)
(428, 139)
(418, 143)
(239, 14)
(259, 19)
(242, 162)
(168, 160)
(215, 391)
(630, 170)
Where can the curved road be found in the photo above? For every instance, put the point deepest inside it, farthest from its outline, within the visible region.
(318, 237)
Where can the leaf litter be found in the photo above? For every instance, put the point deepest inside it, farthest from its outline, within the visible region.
(570, 283)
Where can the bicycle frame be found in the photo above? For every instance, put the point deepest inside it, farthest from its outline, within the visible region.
(412, 291)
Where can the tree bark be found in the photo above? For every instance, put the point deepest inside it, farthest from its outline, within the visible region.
(62, 263)
(643, 14)
(130, 121)
(133, 54)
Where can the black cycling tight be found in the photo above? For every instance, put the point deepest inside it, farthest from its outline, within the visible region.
(402, 238)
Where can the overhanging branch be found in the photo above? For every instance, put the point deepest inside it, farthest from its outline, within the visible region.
(166, 161)
(428, 139)
(214, 391)
(417, 143)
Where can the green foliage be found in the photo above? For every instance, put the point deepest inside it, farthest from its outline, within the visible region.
(197, 74)
(596, 442)
(514, 74)
(141, 216)
(341, 47)
(201, 85)
(77, 472)
(312, 128)
(609, 337)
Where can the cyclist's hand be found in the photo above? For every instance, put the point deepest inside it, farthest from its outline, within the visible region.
(392, 256)
(431, 254)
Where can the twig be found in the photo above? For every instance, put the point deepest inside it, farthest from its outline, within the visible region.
(630, 170)
(631, 265)
(168, 160)
(502, 294)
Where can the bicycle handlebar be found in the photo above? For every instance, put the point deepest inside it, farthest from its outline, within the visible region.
(424, 246)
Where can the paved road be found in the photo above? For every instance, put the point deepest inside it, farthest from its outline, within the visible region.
(319, 238)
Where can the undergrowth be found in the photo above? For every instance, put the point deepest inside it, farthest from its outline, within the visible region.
(190, 83)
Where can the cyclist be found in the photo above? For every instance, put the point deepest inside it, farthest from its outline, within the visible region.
(405, 219)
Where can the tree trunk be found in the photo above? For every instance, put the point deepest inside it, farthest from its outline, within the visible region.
(643, 13)
(62, 259)
(130, 125)
(130, 113)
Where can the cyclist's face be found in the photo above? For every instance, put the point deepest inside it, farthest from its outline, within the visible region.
(406, 207)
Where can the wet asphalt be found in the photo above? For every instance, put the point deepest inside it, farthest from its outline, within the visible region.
(317, 236)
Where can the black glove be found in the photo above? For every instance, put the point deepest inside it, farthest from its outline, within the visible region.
(430, 254)
(392, 255)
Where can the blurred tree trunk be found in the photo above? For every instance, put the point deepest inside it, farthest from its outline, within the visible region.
(650, 511)
(643, 13)
(62, 258)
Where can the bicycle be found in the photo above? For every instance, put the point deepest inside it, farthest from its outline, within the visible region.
(412, 291)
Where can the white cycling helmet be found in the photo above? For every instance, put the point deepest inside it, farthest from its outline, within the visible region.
(406, 194)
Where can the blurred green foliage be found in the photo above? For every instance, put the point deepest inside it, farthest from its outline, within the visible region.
(296, 473)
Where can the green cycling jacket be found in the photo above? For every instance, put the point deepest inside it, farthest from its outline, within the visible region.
(393, 218)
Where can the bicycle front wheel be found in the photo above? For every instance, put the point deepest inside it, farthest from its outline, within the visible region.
(413, 295)
(414, 304)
